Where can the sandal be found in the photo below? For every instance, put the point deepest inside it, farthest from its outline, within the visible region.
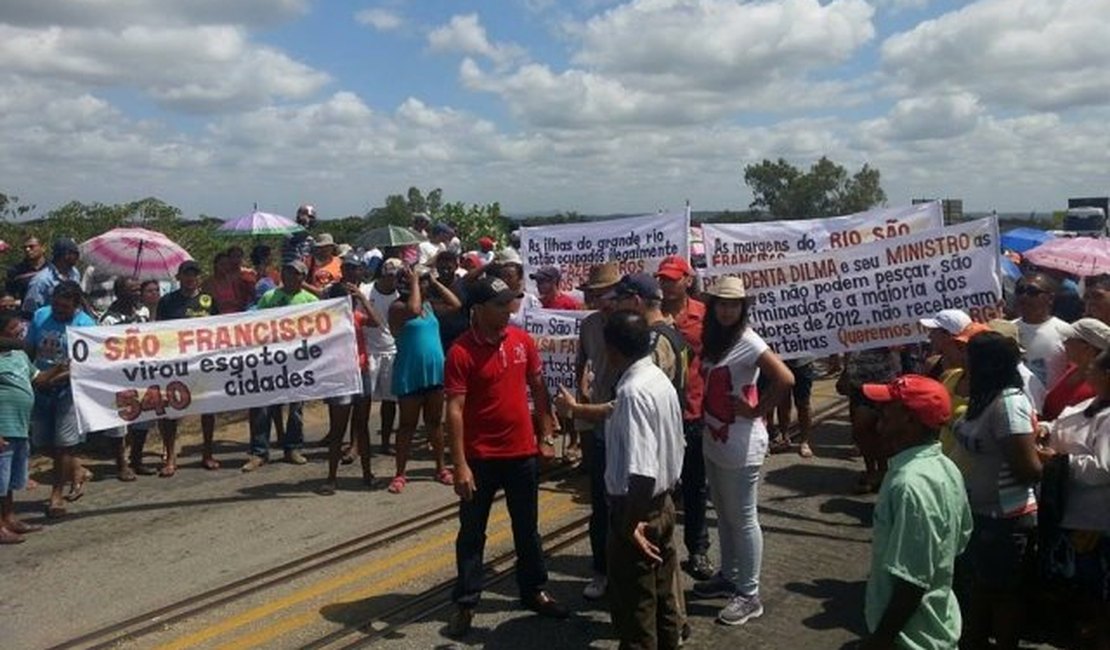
(78, 489)
(126, 475)
(805, 451)
(55, 511)
(167, 471)
(348, 456)
(780, 445)
(397, 484)
(326, 490)
(210, 464)
(446, 477)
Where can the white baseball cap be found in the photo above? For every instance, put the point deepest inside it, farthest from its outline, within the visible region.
(1091, 330)
(952, 321)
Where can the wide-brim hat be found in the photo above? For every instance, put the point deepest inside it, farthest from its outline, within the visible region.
(602, 276)
(728, 288)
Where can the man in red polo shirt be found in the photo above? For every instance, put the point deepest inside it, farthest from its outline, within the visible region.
(493, 444)
(675, 277)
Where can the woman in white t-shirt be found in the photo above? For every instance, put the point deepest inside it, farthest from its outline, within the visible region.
(735, 442)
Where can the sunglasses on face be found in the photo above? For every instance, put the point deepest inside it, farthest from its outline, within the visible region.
(1028, 290)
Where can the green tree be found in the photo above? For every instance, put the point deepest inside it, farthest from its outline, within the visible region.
(476, 221)
(12, 208)
(786, 192)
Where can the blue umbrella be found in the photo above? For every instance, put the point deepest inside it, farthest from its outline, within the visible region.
(1020, 240)
(1009, 269)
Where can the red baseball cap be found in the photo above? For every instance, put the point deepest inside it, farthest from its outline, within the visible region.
(674, 267)
(926, 398)
(486, 243)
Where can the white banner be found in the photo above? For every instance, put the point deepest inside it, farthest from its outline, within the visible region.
(637, 243)
(872, 295)
(131, 373)
(555, 332)
(732, 244)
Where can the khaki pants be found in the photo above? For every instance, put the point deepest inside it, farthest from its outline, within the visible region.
(643, 599)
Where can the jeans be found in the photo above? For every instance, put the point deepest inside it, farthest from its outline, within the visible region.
(520, 480)
(695, 531)
(735, 494)
(260, 419)
(599, 507)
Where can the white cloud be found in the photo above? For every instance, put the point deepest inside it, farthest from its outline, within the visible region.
(194, 69)
(380, 19)
(932, 117)
(669, 62)
(1025, 54)
(465, 34)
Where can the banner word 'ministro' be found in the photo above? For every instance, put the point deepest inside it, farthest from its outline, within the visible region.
(132, 373)
(872, 295)
(732, 244)
(638, 244)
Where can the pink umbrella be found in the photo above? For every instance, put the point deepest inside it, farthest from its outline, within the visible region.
(136, 252)
(1082, 256)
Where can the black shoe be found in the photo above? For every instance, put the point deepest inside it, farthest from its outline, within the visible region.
(699, 567)
(544, 605)
(459, 625)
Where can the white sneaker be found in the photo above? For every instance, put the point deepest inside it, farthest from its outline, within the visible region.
(596, 589)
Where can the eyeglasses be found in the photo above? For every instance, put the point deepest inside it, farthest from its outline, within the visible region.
(1028, 290)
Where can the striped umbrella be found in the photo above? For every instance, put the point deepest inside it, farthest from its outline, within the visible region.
(135, 252)
(259, 224)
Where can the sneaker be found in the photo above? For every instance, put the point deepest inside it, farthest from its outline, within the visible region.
(699, 567)
(459, 625)
(716, 587)
(253, 463)
(741, 609)
(596, 589)
(295, 458)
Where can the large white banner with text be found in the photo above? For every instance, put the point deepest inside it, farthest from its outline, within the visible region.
(131, 373)
(872, 295)
(638, 244)
(731, 244)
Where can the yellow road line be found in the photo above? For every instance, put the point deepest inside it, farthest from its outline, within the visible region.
(324, 586)
(304, 619)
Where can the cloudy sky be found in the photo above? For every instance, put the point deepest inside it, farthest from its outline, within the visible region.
(587, 105)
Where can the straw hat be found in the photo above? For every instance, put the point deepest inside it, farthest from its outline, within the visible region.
(728, 288)
(602, 276)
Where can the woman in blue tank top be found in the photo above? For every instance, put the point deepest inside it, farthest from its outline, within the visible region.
(418, 366)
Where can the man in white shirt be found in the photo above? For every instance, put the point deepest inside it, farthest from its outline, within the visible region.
(644, 450)
(1041, 334)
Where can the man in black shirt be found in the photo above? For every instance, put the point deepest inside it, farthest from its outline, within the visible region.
(187, 302)
(19, 276)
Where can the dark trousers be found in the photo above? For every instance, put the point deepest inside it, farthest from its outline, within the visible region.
(520, 480)
(599, 507)
(643, 600)
(695, 493)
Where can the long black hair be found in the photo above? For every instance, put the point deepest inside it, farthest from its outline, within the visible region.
(992, 361)
(716, 339)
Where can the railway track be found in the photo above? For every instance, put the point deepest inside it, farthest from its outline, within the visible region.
(418, 607)
(437, 598)
(156, 620)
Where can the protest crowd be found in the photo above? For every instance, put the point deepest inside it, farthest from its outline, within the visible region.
(988, 446)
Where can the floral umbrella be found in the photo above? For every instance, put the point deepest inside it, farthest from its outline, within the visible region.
(135, 252)
(1081, 256)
